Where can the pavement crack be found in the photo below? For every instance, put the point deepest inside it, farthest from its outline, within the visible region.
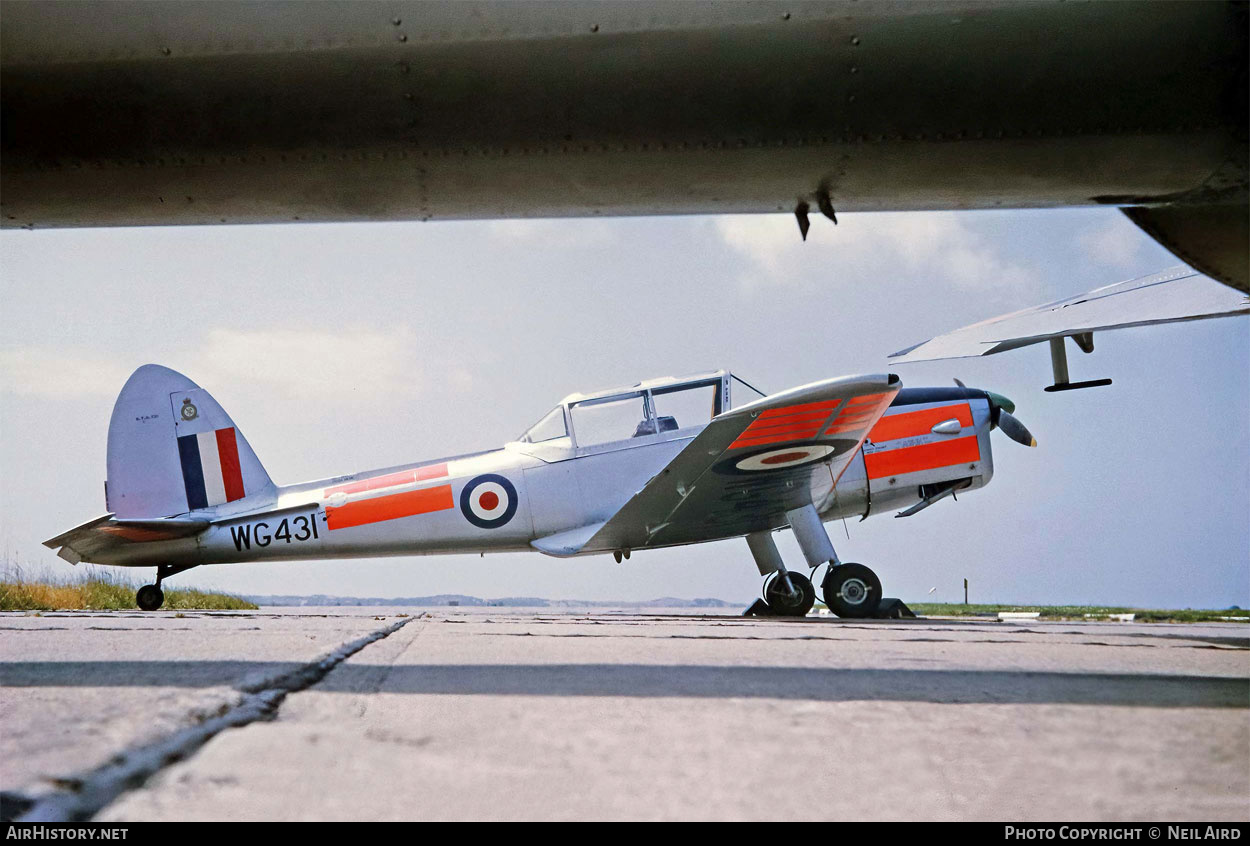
(377, 683)
(132, 768)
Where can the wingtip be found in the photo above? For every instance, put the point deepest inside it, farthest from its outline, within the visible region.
(907, 350)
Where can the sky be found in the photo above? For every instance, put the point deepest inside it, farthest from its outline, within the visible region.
(345, 347)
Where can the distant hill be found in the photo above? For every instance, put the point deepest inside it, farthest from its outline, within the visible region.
(452, 599)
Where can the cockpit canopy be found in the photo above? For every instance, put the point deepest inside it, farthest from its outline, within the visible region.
(652, 407)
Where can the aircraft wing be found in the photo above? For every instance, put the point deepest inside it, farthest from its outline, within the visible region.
(1172, 296)
(159, 112)
(749, 466)
(106, 532)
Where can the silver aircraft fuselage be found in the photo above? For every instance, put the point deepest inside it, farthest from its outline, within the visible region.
(526, 496)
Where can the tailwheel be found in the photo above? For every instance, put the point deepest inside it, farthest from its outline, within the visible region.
(852, 590)
(792, 601)
(150, 597)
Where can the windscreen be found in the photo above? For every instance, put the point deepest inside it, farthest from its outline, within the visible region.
(602, 421)
(550, 428)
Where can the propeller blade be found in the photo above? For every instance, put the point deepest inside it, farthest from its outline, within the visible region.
(1014, 429)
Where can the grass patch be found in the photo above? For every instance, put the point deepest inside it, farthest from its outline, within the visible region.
(101, 591)
(1082, 612)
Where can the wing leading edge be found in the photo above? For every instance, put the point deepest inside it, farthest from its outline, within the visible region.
(748, 467)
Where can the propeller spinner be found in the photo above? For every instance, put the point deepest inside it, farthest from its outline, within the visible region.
(1001, 417)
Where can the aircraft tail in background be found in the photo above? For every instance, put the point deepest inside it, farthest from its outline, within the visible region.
(172, 449)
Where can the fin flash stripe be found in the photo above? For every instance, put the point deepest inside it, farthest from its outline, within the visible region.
(211, 473)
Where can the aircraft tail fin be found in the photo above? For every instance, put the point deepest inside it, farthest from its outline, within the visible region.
(172, 449)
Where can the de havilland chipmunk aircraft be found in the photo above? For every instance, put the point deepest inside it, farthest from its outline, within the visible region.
(661, 463)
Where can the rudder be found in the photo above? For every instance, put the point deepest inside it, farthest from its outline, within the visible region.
(172, 449)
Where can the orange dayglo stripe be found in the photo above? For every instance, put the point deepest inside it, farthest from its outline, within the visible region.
(794, 409)
(867, 398)
(403, 477)
(769, 431)
(389, 507)
(841, 429)
(857, 417)
(911, 423)
(813, 417)
(894, 462)
(775, 439)
(431, 471)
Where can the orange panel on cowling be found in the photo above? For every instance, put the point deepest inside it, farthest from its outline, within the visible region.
(911, 423)
(894, 462)
(391, 507)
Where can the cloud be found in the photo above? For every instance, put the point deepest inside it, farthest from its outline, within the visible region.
(301, 364)
(553, 233)
(281, 364)
(941, 246)
(1115, 243)
(52, 373)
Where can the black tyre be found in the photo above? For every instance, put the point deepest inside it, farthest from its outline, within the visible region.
(784, 604)
(150, 597)
(852, 590)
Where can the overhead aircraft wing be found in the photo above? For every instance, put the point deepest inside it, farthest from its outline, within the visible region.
(747, 468)
(106, 532)
(1172, 296)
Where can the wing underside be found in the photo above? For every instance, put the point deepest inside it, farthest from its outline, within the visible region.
(1172, 296)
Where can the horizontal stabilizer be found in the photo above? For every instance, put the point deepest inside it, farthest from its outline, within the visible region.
(1175, 295)
(91, 538)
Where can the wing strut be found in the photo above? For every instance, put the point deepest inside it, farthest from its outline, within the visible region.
(1059, 363)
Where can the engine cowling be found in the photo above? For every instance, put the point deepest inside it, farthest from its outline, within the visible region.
(929, 443)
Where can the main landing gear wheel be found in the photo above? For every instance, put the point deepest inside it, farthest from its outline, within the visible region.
(852, 590)
(789, 604)
(150, 597)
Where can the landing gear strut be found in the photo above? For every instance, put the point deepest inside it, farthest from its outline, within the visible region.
(850, 590)
(786, 593)
(151, 597)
